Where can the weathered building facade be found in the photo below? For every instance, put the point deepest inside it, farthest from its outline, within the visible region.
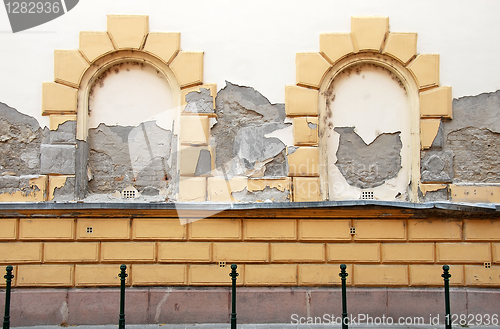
(369, 161)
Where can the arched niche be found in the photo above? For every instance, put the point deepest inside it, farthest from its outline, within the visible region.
(127, 41)
(369, 129)
(369, 44)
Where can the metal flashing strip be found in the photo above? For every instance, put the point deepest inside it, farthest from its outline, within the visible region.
(220, 206)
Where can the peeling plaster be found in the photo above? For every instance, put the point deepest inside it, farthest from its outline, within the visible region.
(20, 135)
(466, 148)
(199, 101)
(243, 136)
(144, 156)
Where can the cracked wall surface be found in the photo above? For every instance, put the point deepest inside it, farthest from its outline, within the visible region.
(52, 165)
(142, 156)
(244, 118)
(20, 140)
(465, 149)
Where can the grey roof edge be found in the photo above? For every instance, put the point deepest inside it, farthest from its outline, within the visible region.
(220, 206)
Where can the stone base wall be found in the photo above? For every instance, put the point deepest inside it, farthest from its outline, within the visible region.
(254, 305)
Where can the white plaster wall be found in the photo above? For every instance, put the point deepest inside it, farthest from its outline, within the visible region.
(130, 94)
(254, 43)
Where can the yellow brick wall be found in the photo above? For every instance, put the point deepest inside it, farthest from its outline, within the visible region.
(86, 252)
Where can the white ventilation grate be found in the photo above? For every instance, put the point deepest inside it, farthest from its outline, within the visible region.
(130, 193)
(367, 195)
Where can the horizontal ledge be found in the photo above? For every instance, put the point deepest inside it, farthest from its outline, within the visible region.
(221, 206)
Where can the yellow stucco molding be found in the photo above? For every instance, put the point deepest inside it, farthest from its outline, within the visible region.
(188, 68)
(58, 99)
(69, 66)
(95, 44)
(164, 45)
(335, 46)
(436, 102)
(402, 46)
(311, 69)
(128, 31)
(369, 32)
(428, 131)
(301, 101)
(475, 193)
(425, 69)
(124, 33)
(305, 131)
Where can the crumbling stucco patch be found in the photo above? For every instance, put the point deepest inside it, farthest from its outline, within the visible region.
(23, 188)
(20, 140)
(435, 195)
(436, 166)
(473, 138)
(140, 156)
(476, 155)
(244, 118)
(199, 101)
(265, 195)
(367, 166)
(65, 192)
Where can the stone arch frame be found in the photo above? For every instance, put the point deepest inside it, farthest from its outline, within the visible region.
(127, 38)
(369, 41)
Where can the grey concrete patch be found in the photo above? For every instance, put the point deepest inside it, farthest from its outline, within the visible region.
(252, 146)
(438, 142)
(278, 166)
(10, 114)
(199, 102)
(65, 134)
(57, 159)
(66, 192)
(292, 149)
(432, 196)
(142, 156)
(244, 117)
(82, 170)
(475, 153)
(12, 184)
(481, 111)
(436, 166)
(368, 166)
(20, 139)
(204, 165)
(473, 137)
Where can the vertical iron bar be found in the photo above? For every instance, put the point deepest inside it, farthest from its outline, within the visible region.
(8, 277)
(446, 276)
(343, 274)
(233, 276)
(122, 275)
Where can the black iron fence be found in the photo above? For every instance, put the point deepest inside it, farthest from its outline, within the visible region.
(233, 274)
